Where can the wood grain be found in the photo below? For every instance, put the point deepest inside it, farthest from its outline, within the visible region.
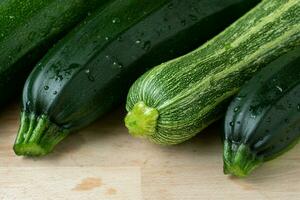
(104, 162)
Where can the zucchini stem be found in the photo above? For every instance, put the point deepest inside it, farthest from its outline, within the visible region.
(141, 121)
(239, 160)
(37, 135)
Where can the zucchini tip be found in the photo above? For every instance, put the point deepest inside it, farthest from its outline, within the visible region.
(238, 159)
(37, 135)
(141, 121)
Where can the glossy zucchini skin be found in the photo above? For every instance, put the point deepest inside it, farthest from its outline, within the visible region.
(28, 28)
(90, 71)
(263, 121)
(176, 100)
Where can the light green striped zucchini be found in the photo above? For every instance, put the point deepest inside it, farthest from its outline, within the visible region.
(176, 100)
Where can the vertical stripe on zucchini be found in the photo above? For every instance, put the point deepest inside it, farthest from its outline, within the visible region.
(190, 92)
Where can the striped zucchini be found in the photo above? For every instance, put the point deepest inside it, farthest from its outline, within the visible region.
(174, 101)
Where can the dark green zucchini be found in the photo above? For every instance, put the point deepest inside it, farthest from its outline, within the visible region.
(90, 71)
(176, 100)
(263, 121)
(28, 28)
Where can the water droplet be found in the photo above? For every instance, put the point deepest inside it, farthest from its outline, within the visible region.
(193, 17)
(118, 65)
(279, 88)
(231, 124)
(11, 17)
(267, 131)
(147, 45)
(298, 107)
(238, 122)
(183, 22)
(116, 20)
(107, 57)
(170, 6)
(55, 92)
(120, 39)
(253, 115)
(106, 38)
(46, 87)
(240, 97)
(138, 41)
(28, 103)
(59, 77)
(236, 109)
(89, 75)
(91, 78)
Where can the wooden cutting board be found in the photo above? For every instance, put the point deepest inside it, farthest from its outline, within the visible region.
(102, 162)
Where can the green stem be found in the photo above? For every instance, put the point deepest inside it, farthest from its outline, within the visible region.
(37, 135)
(239, 160)
(141, 121)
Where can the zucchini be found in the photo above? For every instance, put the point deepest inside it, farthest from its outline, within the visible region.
(91, 70)
(177, 99)
(27, 29)
(262, 122)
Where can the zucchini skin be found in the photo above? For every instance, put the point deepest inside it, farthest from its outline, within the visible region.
(191, 92)
(27, 29)
(264, 118)
(91, 70)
